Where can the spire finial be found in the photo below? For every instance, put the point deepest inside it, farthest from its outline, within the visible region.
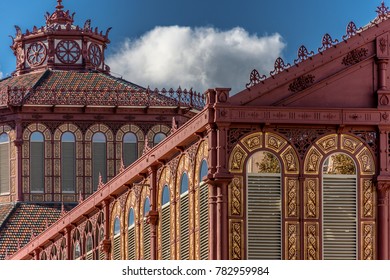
(59, 5)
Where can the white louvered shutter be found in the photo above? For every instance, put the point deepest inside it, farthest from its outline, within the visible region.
(146, 240)
(4, 168)
(184, 227)
(264, 217)
(117, 247)
(339, 217)
(204, 221)
(165, 232)
(101, 255)
(89, 256)
(131, 242)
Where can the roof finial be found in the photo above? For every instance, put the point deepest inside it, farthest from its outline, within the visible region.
(382, 11)
(59, 5)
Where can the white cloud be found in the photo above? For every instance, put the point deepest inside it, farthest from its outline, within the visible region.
(198, 58)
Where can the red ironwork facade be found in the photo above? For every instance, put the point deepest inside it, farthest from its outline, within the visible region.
(299, 159)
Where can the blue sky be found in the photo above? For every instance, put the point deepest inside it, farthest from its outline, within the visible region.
(139, 23)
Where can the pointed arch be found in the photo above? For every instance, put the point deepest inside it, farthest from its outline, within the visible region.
(131, 238)
(116, 225)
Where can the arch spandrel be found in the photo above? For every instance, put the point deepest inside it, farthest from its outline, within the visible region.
(312, 161)
(366, 162)
(290, 161)
(237, 160)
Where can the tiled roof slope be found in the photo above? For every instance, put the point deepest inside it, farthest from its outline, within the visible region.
(60, 87)
(5, 211)
(25, 220)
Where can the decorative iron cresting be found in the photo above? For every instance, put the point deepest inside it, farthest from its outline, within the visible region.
(254, 79)
(327, 42)
(303, 54)
(279, 67)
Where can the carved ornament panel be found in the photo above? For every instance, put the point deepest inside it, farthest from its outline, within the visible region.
(367, 200)
(368, 240)
(366, 162)
(311, 198)
(312, 161)
(350, 143)
(292, 238)
(328, 143)
(237, 160)
(236, 196)
(274, 142)
(311, 237)
(292, 198)
(236, 242)
(291, 161)
(253, 141)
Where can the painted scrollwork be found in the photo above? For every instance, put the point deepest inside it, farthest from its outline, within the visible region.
(349, 143)
(274, 142)
(253, 141)
(311, 198)
(312, 161)
(236, 196)
(311, 241)
(292, 239)
(368, 234)
(292, 197)
(290, 160)
(366, 162)
(237, 160)
(236, 242)
(368, 199)
(328, 143)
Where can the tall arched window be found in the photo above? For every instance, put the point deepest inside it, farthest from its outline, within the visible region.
(165, 225)
(204, 212)
(99, 158)
(101, 238)
(146, 227)
(117, 240)
(130, 148)
(184, 219)
(76, 245)
(68, 162)
(37, 162)
(158, 138)
(89, 247)
(264, 207)
(4, 163)
(131, 236)
(339, 206)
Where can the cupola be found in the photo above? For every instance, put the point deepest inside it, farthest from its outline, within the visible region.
(60, 45)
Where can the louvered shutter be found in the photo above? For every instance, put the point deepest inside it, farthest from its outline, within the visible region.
(99, 162)
(37, 166)
(264, 217)
(89, 256)
(184, 227)
(4, 168)
(165, 232)
(68, 169)
(339, 217)
(204, 221)
(131, 242)
(117, 247)
(146, 240)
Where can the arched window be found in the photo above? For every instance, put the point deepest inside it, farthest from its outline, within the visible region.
(89, 247)
(37, 162)
(53, 253)
(165, 224)
(264, 207)
(158, 138)
(117, 240)
(101, 238)
(146, 227)
(204, 212)
(4, 163)
(131, 236)
(43, 256)
(130, 148)
(76, 245)
(63, 255)
(339, 208)
(68, 162)
(99, 158)
(184, 219)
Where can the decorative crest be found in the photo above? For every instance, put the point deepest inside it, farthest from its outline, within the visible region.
(280, 66)
(255, 79)
(100, 184)
(383, 12)
(80, 198)
(351, 31)
(32, 236)
(327, 42)
(122, 167)
(303, 54)
(146, 146)
(63, 212)
(174, 125)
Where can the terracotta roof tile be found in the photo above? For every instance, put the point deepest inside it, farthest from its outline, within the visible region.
(25, 219)
(23, 81)
(5, 211)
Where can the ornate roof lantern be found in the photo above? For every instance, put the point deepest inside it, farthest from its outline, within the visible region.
(60, 45)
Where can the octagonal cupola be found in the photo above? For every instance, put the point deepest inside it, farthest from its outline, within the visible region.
(60, 45)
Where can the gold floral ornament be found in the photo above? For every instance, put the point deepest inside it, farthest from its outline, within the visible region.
(237, 159)
(253, 141)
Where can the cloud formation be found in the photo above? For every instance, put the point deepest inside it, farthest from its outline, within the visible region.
(198, 58)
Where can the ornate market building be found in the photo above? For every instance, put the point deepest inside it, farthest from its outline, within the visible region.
(295, 166)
